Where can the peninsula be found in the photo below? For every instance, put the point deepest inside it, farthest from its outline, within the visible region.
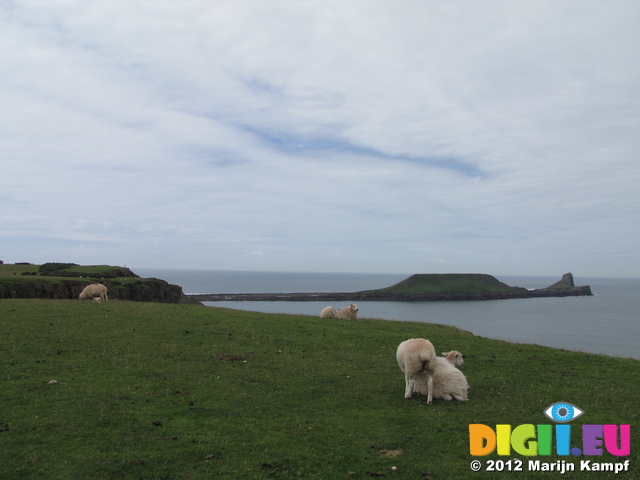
(420, 288)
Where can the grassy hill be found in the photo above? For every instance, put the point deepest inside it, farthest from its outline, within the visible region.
(464, 284)
(131, 390)
(66, 281)
(63, 270)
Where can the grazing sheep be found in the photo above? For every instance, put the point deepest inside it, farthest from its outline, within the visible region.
(417, 357)
(328, 312)
(347, 313)
(94, 290)
(448, 381)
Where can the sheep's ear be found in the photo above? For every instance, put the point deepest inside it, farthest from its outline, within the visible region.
(445, 353)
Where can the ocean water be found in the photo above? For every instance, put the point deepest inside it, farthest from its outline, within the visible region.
(223, 281)
(607, 322)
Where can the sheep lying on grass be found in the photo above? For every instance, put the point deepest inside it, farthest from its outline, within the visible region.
(95, 290)
(347, 313)
(455, 358)
(416, 358)
(448, 381)
(328, 312)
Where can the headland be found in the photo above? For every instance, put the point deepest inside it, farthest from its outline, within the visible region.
(420, 288)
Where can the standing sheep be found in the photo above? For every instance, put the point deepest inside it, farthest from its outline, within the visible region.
(417, 357)
(347, 313)
(448, 381)
(95, 290)
(328, 312)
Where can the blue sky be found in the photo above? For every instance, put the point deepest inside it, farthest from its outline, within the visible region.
(364, 136)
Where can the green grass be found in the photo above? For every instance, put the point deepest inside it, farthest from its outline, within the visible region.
(468, 283)
(6, 270)
(71, 272)
(162, 391)
(90, 270)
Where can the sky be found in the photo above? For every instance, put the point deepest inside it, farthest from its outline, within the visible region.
(374, 136)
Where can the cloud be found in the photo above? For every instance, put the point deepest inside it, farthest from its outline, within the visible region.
(344, 136)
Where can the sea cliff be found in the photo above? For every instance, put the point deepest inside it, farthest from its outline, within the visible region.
(67, 280)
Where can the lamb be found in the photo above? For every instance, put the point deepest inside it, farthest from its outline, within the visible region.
(328, 312)
(448, 381)
(95, 290)
(416, 358)
(347, 313)
(455, 358)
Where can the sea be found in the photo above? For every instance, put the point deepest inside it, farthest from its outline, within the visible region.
(606, 323)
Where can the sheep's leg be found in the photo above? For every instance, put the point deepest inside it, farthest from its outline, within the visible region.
(430, 389)
(408, 390)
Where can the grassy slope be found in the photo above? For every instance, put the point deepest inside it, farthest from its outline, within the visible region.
(472, 284)
(6, 270)
(93, 271)
(188, 392)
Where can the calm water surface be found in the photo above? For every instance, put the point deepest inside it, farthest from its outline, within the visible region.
(608, 322)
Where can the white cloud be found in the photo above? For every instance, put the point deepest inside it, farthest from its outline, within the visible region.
(360, 136)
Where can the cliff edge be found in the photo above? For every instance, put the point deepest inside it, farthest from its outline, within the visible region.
(67, 280)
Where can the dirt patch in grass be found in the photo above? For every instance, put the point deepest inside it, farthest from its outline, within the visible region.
(231, 357)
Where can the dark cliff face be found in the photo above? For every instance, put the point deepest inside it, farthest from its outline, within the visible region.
(150, 290)
(49, 290)
(142, 290)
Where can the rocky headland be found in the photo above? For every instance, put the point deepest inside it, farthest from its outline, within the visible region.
(420, 288)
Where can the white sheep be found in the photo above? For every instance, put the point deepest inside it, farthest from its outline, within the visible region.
(416, 358)
(95, 290)
(328, 312)
(455, 358)
(347, 313)
(448, 381)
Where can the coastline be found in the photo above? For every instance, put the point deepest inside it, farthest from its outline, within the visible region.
(420, 288)
(372, 297)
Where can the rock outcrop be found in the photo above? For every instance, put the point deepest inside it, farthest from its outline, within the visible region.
(564, 288)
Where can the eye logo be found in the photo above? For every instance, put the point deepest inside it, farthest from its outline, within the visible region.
(563, 412)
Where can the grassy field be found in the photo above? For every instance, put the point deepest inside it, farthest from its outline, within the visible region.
(26, 273)
(129, 390)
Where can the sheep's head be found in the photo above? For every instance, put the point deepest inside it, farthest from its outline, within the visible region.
(455, 357)
(354, 307)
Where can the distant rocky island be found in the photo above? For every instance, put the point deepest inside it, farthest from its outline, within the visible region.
(421, 288)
